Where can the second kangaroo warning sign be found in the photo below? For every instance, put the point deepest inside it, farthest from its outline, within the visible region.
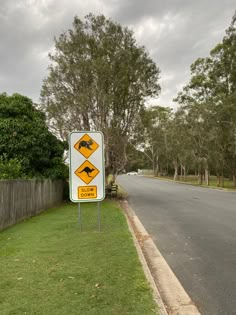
(86, 166)
(87, 172)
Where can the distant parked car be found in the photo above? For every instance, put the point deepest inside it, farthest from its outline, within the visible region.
(132, 173)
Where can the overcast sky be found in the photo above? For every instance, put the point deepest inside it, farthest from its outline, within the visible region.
(175, 32)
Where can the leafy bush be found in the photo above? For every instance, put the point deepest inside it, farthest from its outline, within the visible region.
(25, 137)
(11, 169)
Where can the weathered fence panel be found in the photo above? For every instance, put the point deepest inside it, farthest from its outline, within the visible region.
(20, 199)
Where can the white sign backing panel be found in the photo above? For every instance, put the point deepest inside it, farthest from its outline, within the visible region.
(87, 182)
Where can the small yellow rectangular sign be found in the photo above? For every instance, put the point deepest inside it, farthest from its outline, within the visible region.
(87, 192)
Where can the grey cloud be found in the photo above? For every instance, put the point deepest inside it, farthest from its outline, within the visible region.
(197, 27)
(175, 32)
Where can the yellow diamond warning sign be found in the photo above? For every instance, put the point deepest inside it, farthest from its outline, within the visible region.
(86, 146)
(87, 172)
(87, 192)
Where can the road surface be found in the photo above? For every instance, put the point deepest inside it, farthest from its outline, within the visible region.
(195, 230)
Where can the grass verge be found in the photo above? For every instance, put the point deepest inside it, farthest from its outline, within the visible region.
(228, 184)
(47, 266)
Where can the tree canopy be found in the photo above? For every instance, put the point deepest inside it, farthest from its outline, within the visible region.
(27, 147)
(99, 79)
(150, 137)
(210, 108)
(200, 136)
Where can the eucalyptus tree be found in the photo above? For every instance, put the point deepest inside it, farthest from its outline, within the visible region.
(179, 144)
(151, 136)
(208, 101)
(194, 101)
(224, 60)
(99, 79)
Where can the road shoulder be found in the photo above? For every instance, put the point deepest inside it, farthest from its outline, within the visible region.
(167, 290)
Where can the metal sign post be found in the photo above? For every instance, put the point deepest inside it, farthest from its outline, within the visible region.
(79, 217)
(87, 183)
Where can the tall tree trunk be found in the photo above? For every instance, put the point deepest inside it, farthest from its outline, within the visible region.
(157, 167)
(107, 162)
(154, 169)
(199, 178)
(207, 182)
(184, 168)
(218, 179)
(181, 171)
(199, 175)
(176, 175)
(234, 173)
(115, 176)
(223, 179)
(161, 171)
(234, 179)
(86, 124)
(206, 172)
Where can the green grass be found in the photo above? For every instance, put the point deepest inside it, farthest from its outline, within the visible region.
(47, 266)
(229, 184)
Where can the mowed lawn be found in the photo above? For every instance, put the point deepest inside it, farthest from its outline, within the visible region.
(228, 184)
(48, 266)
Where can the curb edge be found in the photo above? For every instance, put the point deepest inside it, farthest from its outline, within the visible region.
(147, 272)
(159, 274)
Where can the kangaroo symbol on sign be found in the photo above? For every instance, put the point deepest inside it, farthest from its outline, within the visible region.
(87, 170)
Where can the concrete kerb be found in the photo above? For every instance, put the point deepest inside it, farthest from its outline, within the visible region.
(155, 292)
(169, 294)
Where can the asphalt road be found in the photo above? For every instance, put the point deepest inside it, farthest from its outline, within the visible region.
(195, 230)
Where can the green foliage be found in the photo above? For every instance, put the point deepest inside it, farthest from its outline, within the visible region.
(25, 138)
(136, 159)
(200, 136)
(150, 136)
(98, 80)
(208, 105)
(10, 169)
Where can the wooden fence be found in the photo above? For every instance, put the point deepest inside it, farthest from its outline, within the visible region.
(20, 199)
